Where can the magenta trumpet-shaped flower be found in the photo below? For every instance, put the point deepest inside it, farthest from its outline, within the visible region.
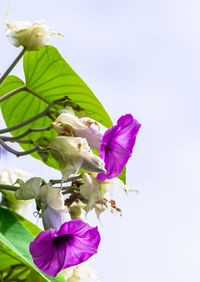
(117, 146)
(74, 243)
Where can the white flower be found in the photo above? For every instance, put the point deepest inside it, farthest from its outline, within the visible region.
(93, 132)
(81, 272)
(31, 36)
(75, 154)
(66, 122)
(10, 175)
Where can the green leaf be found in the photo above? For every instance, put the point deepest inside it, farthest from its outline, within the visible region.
(48, 78)
(15, 239)
(31, 227)
(122, 176)
(33, 277)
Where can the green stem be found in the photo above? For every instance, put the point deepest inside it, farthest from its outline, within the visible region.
(8, 187)
(30, 130)
(23, 153)
(68, 190)
(36, 95)
(8, 95)
(71, 179)
(38, 116)
(12, 65)
(22, 141)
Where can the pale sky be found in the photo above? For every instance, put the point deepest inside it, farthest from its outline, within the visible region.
(139, 57)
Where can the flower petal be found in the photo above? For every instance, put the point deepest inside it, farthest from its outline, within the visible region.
(74, 243)
(117, 146)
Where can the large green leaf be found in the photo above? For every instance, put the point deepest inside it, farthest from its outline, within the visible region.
(15, 239)
(48, 78)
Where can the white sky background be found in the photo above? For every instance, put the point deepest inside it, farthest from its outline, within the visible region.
(141, 57)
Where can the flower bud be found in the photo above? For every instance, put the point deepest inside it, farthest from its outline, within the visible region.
(52, 218)
(76, 154)
(77, 211)
(30, 36)
(51, 197)
(29, 190)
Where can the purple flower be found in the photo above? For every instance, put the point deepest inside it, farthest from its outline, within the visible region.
(74, 243)
(117, 146)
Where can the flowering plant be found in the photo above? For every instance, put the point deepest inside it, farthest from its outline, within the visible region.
(56, 118)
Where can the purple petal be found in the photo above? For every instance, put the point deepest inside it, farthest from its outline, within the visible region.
(74, 243)
(117, 146)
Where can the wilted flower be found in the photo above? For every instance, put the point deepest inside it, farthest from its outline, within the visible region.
(99, 194)
(117, 145)
(74, 243)
(30, 36)
(75, 154)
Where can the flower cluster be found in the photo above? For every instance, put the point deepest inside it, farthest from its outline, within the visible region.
(68, 240)
(78, 137)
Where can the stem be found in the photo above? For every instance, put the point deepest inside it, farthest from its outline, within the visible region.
(12, 93)
(56, 181)
(35, 94)
(69, 189)
(12, 65)
(22, 141)
(8, 187)
(23, 153)
(30, 130)
(38, 116)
